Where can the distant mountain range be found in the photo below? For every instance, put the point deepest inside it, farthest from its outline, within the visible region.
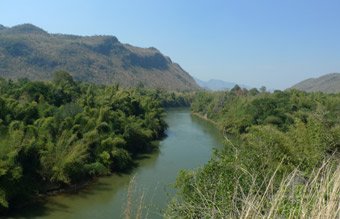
(216, 85)
(329, 83)
(27, 51)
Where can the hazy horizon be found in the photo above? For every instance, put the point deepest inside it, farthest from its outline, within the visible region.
(271, 44)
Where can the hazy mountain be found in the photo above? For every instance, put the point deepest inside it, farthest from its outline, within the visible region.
(215, 85)
(29, 51)
(329, 83)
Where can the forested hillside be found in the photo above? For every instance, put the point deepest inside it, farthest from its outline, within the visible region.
(27, 51)
(273, 163)
(55, 134)
(329, 83)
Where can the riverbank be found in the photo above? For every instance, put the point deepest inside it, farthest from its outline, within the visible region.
(228, 138)
(83, 185)
(205, 117)
(187, 136)
(54, 137)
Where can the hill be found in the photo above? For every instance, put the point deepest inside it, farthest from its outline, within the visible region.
(329, 83)
(216, 85)
(27, 51)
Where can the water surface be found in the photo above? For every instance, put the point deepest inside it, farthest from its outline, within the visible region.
(188, 145)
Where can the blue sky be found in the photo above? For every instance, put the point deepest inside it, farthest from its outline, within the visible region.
(275, 43)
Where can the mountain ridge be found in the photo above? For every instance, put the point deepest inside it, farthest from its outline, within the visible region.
(328, 83)
(28, 51)
(217, 85)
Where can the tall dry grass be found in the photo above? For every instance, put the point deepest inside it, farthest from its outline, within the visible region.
(135, 207)
(318, 196)
(297, 196)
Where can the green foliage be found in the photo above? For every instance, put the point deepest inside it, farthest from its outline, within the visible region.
(58, 133)
(297, 195)
(275, 134)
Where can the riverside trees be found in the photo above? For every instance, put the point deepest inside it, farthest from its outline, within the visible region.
(54, 134)
(282, 140)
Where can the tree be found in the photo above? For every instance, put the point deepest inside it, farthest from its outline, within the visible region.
(62, 78)
(263, 89)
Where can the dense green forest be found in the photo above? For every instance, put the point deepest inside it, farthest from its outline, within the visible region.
(59, 133)
(276, 143)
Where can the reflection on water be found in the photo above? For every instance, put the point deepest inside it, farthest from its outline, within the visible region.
(188, 145)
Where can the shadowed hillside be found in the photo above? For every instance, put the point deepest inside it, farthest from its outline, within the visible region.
(27, 51)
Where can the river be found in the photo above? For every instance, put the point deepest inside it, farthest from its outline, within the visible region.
(188, 145)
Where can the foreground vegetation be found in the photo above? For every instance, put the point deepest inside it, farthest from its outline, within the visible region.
(296, 196)
(280, 159)
(56, 134)
(273, 166)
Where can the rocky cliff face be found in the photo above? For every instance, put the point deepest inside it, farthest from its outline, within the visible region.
(27, 51)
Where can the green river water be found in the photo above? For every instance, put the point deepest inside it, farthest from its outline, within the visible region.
(188, 145)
